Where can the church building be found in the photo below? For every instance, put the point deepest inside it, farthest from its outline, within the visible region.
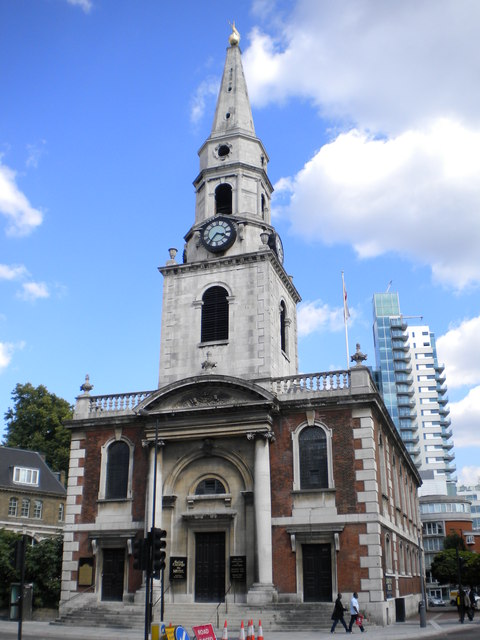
(275, 488)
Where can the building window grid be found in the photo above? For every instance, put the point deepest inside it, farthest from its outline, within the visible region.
(38, 509)
(25, 513)
(13, 507)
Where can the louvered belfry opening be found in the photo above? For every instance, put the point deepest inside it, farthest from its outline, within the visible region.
(223, 199)
(215, 315)
(283, 331)
(313, 459)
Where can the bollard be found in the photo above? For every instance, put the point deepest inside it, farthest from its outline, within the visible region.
(423, 613)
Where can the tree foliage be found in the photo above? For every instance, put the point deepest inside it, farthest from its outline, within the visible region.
(454, 541)
(43, 568)
(7, 569)
(445, 567)
(36, 423)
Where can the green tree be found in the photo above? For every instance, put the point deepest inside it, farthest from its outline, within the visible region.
(43, 567)
(7, 569)
(454, 541)
(36, 423)
(445, 567)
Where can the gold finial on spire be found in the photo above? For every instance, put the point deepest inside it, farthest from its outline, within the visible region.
(234, 38)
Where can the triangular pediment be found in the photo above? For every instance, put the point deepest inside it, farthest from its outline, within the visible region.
(206, 392)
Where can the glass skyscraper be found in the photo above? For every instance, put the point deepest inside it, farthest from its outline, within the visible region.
(412, 384)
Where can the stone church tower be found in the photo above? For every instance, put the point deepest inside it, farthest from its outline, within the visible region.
(274, 487)
(230, 308)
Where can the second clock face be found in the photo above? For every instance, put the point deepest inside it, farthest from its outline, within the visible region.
(218, 234)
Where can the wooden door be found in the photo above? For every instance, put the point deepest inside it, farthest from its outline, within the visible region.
(317, 573)
(210, 566)
(113, 574)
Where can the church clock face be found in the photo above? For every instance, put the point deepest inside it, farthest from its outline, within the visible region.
(275, 243)
(218, 234)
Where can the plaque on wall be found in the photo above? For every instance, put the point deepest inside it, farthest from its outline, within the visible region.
(178, 568)
(85, 572)
(238, 567)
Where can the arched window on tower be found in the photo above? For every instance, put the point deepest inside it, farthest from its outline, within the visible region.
(118, 456)
(215, 314)
(313, 458)
(283, 327)
(223, 199)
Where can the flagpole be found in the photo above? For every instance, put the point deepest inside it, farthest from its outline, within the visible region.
(346, 315)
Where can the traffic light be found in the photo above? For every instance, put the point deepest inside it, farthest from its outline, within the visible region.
(158, 545)
(140, 554)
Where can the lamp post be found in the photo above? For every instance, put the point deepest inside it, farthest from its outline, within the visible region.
(422, 605)
(149, 570)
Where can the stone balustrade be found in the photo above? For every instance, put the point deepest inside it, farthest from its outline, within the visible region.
(327, 383)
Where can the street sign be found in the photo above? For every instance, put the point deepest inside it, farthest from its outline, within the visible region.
(204, 632)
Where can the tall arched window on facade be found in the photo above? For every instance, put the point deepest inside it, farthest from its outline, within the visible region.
(283, 326)
(313, 458)
(118, 456)
(223, 199)
(214, 314)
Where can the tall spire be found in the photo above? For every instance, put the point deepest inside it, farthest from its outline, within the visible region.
(233, 112)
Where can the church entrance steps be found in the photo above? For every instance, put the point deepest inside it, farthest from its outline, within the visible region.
(275, 617)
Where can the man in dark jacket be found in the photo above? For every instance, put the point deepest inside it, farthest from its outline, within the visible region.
(337, 615)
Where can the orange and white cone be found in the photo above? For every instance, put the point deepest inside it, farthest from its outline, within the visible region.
(253, 630)
(249, 630)
(242, 632)
(260, 631)
(225, 631)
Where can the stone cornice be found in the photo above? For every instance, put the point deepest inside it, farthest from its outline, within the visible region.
(216, 264)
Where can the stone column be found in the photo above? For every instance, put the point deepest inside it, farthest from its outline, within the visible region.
(262, 591)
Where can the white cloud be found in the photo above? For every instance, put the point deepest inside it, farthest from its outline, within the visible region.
(459, 349)
(317, 316)
(7, 349)
(12, 272)
(205, 90)
(423, 185)
(469, 475)
(35, 152)
(383, 66)
(21, 216)
(32, 291)
(85, 5)
(465, 416)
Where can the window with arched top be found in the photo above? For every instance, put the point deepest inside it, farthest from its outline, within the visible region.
(210, 486)
(118, 458)
(312, 443)
(388, 553)
(214, 314)
(283, 326)
(223, 199)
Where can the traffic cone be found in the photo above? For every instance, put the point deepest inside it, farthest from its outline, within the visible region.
(249, 630)
(253, 630)
(242, 632)
(225, 631)
(260, 631)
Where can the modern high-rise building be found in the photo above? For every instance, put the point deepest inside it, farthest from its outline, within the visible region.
(412, 384)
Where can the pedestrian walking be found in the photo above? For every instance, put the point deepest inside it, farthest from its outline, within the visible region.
(354, 613)
(337, 615)
(463, 605)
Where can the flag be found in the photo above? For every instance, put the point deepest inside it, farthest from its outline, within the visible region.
(346, 312)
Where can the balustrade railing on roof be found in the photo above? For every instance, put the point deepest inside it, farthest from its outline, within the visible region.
(118, 402)
(327, 381)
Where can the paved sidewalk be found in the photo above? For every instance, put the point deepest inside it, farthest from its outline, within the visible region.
(437, 623)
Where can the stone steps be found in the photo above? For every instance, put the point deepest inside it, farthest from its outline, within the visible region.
(278, 617)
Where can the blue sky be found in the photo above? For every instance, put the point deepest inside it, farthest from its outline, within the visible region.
(369, 113)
